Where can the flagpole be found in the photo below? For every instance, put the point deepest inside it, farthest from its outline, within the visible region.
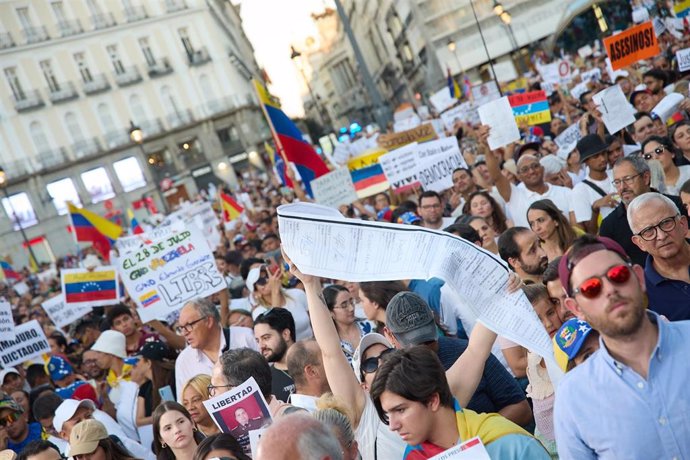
(74, 229)
(279, 145)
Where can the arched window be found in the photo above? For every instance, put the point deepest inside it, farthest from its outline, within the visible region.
(38, 137)
(76, 133)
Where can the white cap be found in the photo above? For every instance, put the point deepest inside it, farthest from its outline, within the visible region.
(252, 277)
(111, 342)
(366, 342)
(67, 409)
(8, 370)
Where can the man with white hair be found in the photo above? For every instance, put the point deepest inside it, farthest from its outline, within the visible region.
(659, 230)
(298, 437)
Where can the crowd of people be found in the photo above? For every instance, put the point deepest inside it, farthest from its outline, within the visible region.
(595, 237)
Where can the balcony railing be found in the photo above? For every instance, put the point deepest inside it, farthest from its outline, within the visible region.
(180, 118)
(63, 93)
(160, 67)
(175, 5)
(87, 147)
(103, 20)
(52, 158)
(199, 57)
(151, 127)
(117, 138)
(6, 40)
(135, 13)
(98, 84)
(68, 28)
(129, 76)
(29, 100)
(17, 168)
(35, 34)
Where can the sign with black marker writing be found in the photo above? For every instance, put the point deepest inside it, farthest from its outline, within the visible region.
(29, 343)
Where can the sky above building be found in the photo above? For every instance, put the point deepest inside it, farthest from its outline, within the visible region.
(272, 26)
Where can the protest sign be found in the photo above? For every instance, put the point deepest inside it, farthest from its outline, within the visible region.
(334, 188)
(92, 288)
(505, 71)
(567, 140)
(437, 163)
(439, 127)
(498, 115)
(585, 51)
(367, 175)
(472, 449)
(63, 314)
(632, 45)
(531, 108)
(241, 412)
(29, 343)
(578, 90)
(406, 123)
(20, 288)
(399, 166)
(591, 75)
(6, 320)
(615, 109)
(683, 59)
(163, 275)
(549, 73)
(421, 133)
(442, 99)
(465, 112)
(682, 8)
(131, 243)
(668, 106)
(659, 26)
(321, 242)
(486, 92)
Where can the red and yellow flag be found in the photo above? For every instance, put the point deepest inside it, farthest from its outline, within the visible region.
(231, 208)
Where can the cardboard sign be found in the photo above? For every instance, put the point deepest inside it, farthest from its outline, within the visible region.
(442, 99)
(30, 342)
(90, 288)
(567, 140)
(62, 314)
(632, 45)
(421, 133)
(683, 58)
(6, 320)
(163, 275)
(241, 412)
(334, 188)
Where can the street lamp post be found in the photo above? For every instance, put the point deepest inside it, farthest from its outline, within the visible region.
(507, 19)
(452, 47)
(3, 185)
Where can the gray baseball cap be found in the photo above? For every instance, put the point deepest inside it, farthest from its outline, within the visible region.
(410, 319)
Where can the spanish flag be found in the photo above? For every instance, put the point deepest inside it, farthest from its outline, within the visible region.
(231, 208)
(92, 228)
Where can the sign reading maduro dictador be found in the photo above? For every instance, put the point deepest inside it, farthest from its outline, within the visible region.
(632, 45)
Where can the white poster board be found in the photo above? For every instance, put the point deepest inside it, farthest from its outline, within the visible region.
(683, 58)
(29, 343)
(6, 320)
(442, 99)
(62, 314)
(334, 188)
(499, 116)
(615, 109)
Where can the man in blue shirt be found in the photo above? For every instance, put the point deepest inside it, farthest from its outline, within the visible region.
(13, 419)
(660, 230)
(629, 399)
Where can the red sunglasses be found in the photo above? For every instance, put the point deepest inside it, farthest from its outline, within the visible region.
(591, 287)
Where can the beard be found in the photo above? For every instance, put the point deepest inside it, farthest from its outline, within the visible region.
(537, 269)
(276, 355)
(622, 325)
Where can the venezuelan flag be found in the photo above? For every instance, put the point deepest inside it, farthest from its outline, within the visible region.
(90, 286)
(231, 208)
(289, 138)
(92, 228)
(8, 271)
(367, 174)
(279, 166)
(531, 107)
(134, 223)
(453, 86)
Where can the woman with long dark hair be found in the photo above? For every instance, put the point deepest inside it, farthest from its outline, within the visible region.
(553, 229)
(482, 204)
(154, 370)
(342, 307)
(221, 445)
(175, 437)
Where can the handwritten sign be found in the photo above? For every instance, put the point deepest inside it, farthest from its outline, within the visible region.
(129, 244)
(465, 112)
(201, 214)
(683, 58)
(615, 109)
(567, 140)
(6, 320)
(242, 412)
(421, 133)
(399, 165)
(334, 188)
(163, 275)
(632, 45)
(90, 288)
(62, 314)
(29, 343)
(531, 108)
(442, 99)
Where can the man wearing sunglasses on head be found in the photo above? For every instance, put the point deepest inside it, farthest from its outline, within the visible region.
(660, 231)
(629, 399)
(18, 432)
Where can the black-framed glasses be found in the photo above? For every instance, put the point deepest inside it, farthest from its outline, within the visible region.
(657, 151)
(666, 225)
(371, 365)
(189, 326)
(531, 167)
(627, 180)
(212, 388)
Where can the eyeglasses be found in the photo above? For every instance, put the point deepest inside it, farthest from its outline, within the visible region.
(371, 365)
(657, 151)
(530, 167)
(431, 206)
(346, 305)
(627, 180)
(181, 329)
(9, 419)
(591, 287)
(212, 388)
(649, 233)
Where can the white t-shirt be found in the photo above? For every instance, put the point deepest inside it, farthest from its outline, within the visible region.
(684, 176)
(295, 303)
(584, 196)
(372, 433)
(521, 198)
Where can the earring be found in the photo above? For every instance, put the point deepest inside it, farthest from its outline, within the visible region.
(194, 428)
(164, 445)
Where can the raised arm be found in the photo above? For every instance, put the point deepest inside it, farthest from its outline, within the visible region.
(493, 164)
(466, 373)
(340, 375)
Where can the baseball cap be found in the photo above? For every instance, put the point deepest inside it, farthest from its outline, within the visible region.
(6, 402)
(58, 368)
(568, 341)
(366, 342)
(111, 342)
(156, 351)
(67, 409)
(409, 218)
(6, 371)
(599, 243)
(410, 319)
(85, 437)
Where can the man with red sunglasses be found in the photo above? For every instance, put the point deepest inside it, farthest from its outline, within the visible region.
(629, 399)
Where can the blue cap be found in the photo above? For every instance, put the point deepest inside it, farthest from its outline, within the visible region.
(58, 368)
(569, 339)
(409, 218)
